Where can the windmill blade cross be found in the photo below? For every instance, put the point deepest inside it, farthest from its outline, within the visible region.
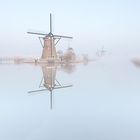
(50, 23)
(37, 90)
(37, 33)
(61, 36)
(63, 87)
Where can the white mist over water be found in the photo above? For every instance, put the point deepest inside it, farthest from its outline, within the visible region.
(102, 104)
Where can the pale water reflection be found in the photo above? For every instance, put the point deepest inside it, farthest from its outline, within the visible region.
(103, 104)
(49, 81)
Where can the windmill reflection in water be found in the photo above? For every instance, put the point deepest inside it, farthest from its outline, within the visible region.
(49, 81)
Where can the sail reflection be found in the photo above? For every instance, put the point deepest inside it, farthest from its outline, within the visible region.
(49, 81)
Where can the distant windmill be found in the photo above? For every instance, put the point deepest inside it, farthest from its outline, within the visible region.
(101, 52)
(50, 41)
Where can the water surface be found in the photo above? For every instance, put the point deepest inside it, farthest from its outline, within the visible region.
(102, 104)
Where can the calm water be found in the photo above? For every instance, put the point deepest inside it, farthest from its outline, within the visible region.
(102, 104)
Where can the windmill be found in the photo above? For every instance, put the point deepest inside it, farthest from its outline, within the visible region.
(50, 41)
(101, 52)
(49, 82)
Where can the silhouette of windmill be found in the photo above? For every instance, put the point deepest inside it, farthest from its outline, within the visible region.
(50, 41)
(101, 52)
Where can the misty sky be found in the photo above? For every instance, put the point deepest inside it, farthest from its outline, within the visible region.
(92, 23)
